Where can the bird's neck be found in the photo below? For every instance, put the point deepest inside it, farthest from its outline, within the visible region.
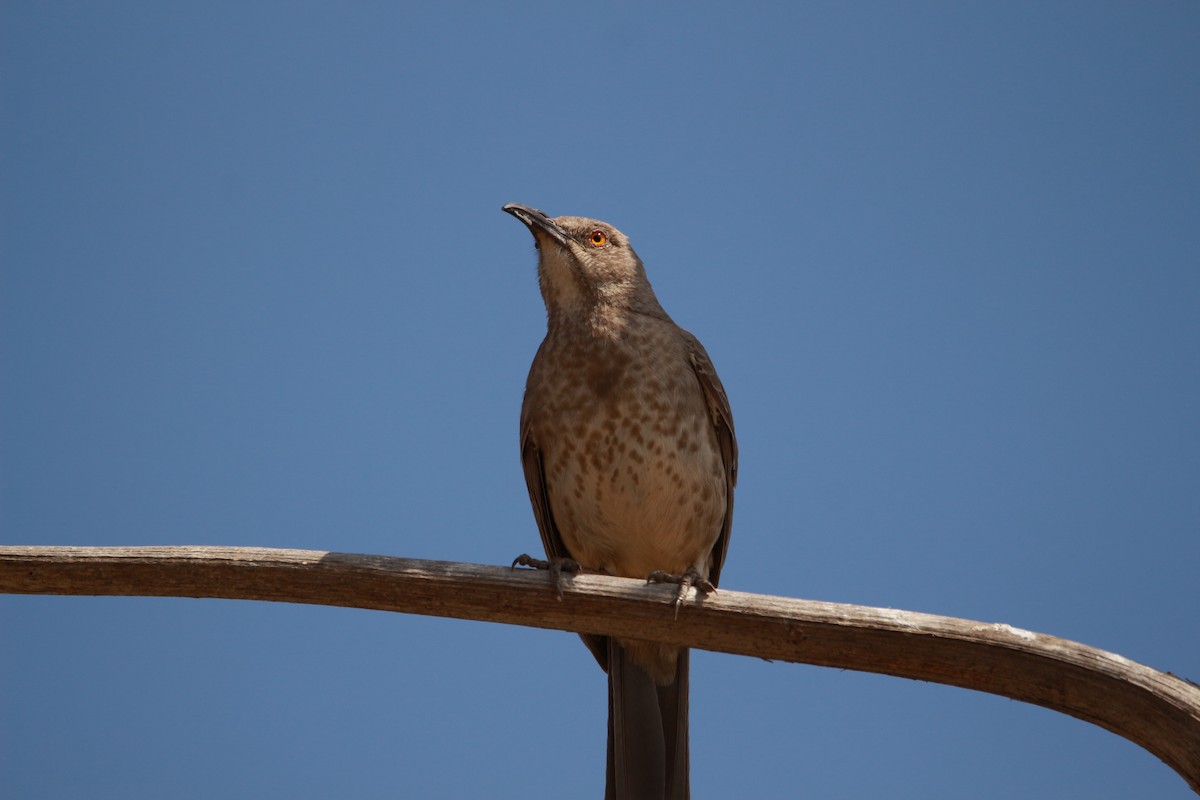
(607, 318)
(589, 321)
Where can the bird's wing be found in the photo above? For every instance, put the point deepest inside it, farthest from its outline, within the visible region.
(722, 421)
(539, 498)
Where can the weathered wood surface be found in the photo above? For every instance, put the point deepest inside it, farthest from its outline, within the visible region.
(1156, 710)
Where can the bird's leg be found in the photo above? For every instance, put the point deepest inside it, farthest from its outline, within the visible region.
(555, 566)
(686, 581)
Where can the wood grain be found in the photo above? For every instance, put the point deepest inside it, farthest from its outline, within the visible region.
(1156, 710)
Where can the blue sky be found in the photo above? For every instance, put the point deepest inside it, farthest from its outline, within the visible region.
(256, 289)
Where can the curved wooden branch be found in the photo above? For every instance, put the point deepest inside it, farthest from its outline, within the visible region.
(1153, 709)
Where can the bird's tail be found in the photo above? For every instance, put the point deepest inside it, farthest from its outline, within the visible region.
(647, 731)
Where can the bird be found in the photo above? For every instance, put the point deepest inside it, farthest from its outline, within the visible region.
(630, 459)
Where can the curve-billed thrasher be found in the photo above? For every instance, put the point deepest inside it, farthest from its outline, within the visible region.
(630, 458)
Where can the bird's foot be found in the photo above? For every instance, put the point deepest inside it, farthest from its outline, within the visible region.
(555, 566)
(686, 581)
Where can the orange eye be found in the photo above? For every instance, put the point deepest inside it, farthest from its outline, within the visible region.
(598, 238)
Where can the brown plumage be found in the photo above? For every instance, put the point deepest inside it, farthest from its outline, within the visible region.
(629, 454)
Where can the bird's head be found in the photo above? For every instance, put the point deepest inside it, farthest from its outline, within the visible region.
(586, 267)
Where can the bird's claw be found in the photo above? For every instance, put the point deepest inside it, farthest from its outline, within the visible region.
(526, 560)
(555, 566)
(687, 580)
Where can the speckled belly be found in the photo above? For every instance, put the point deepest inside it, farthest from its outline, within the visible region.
(637, 489)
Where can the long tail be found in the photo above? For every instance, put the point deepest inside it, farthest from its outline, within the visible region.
(647, 731)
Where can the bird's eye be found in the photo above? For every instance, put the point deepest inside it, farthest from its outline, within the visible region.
(598, 238)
